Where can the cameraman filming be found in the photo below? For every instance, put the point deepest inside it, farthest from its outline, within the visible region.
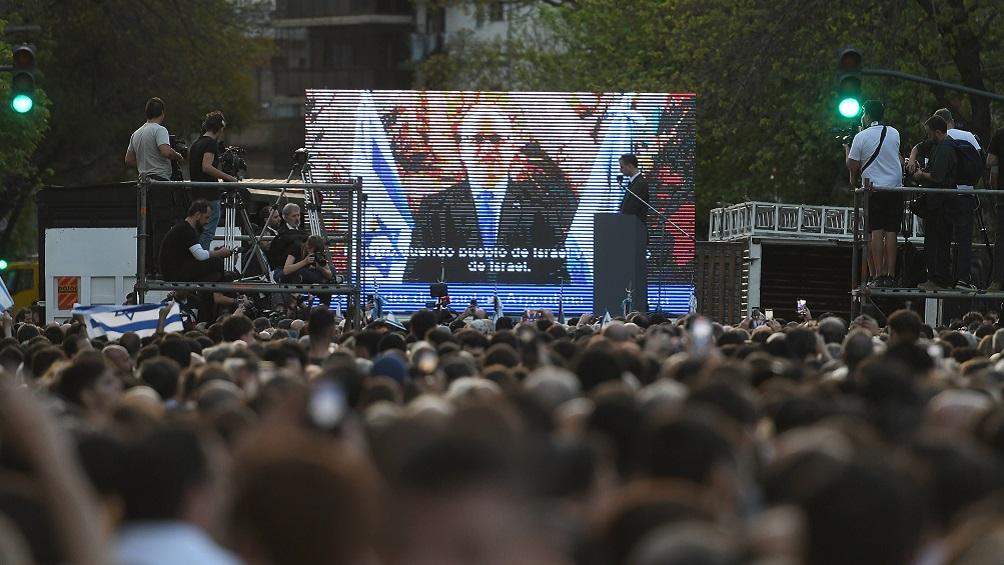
(151, 153)
(877, 147)
(308, 264)
(203, 163)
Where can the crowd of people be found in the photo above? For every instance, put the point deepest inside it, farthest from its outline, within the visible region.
(642, 440)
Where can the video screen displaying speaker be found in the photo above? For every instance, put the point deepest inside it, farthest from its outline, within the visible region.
(497, 191)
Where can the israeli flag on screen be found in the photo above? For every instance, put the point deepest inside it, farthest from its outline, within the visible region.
(601, 192)
(142, 319)
(388, 222)
(6, 301)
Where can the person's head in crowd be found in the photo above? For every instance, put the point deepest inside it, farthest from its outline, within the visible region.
(163, 375)
(865, 322)
(421, 323)
(42, 358)
(301, 500)
(54, 333)
(90, 387)
(119, 361)
(367, 344)
(904, 326)
(171, 476)
(832, 329)
(238, 327)
(321, 323)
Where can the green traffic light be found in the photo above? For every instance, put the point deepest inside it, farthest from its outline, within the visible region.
(849, 107)
(22, 103)
(3, 264)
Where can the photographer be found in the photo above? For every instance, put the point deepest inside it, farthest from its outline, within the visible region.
(151, 153)
(203, 163)
(877, 147)
(942, 210)
(308, 264)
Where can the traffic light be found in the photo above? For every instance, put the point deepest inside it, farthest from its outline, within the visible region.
(3, 264)
(22, 82)
(849, 83)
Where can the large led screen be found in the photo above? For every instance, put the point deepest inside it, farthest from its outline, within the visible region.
(495, 192)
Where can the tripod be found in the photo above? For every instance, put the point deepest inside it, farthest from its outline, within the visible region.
(234, 210)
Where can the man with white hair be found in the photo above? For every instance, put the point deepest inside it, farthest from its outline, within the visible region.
(470, 231)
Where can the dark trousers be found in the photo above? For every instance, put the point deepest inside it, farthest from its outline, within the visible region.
(950, 219)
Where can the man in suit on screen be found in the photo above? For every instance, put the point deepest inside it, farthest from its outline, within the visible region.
(506, 221)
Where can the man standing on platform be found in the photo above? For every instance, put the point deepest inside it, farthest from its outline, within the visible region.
(874, 154)
(204, 158)
(941, 208)
(636, 196)
(151, 153)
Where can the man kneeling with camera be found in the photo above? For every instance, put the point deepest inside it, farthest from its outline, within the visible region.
(308, 264)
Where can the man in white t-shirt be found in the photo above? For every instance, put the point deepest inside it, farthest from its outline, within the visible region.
(874, 155)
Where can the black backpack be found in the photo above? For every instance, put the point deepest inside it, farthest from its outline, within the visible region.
(969, 163)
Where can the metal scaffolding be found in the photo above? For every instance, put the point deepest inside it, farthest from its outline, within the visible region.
(861, 291)
(349, 196)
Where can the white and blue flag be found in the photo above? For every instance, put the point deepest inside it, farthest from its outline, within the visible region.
(388, 221)
(601, 192)
(6, 300)
(142, 319)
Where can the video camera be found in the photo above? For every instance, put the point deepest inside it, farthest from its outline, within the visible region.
(844, 135)
(181, 146)
(232, 162)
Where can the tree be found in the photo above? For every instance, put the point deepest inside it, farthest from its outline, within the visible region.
(101, 61)
(763, 71)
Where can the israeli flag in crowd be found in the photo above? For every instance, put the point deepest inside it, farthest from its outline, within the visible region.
(605, 194)
(142, 319)
(6, 300)
(497, 305)
(388, 222)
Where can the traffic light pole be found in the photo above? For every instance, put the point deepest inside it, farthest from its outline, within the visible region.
(932, 82)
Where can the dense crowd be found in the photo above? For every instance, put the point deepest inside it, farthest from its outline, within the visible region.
(644, 441)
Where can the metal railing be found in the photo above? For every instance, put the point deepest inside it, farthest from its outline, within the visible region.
(859, 287)
(353, 244)
(791, 221)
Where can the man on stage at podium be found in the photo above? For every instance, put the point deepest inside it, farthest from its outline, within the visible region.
(638, 185)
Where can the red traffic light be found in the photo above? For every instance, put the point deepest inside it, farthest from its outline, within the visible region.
(23, 58)
(850, 60)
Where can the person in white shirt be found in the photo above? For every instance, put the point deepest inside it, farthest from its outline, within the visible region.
(874, 155)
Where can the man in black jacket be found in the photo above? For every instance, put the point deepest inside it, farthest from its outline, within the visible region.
(502, 222)
(941, 208)
(636, 196)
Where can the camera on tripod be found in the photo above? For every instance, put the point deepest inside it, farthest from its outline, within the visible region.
(232, 162)
(181, 146)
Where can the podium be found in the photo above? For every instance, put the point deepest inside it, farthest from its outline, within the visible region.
(619, 242)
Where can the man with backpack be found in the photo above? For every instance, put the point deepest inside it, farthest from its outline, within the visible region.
(954, 164)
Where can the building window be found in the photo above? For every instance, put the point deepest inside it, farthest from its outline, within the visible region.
(496, 12)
